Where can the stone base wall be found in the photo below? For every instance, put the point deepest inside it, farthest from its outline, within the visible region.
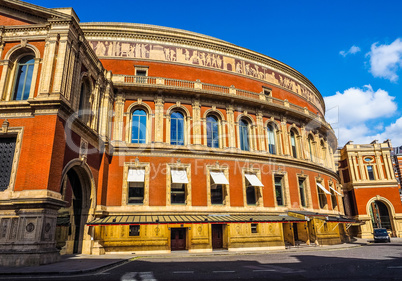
(31, 258)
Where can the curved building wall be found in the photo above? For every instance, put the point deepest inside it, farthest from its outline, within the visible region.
(161, 71)
(110, 147)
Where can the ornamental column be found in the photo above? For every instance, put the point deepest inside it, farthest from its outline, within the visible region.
(260, 132)
(196, 122)
(159, 103)
(231, 126)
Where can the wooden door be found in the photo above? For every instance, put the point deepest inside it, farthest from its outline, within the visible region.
(295, 232)
(217, 236)
(178, 239)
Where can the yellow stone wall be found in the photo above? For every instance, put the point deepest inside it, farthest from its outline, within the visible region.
(327, 233)
(115, 238)
(269, 235)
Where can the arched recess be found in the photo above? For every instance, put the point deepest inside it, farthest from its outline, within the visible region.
(216, 114)
(277, 136)
(252, 143)
(78, 189)
(382, 213)
(129, 113)
(186, 126)
(86, 98)
(10, 65)
(295, 141)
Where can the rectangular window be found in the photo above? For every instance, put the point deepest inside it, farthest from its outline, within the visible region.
(370, 172)
(322, 198)
(252, 182)
(7, 150)
(254, 228)
(134, 230)
(216, 194)
(333, 200)
(136, 193)
(218, 181)
(136, 179)
(279, 191)
(178, 193)
(141, 73)
(302, 192)
(267, 92)
(178, 187)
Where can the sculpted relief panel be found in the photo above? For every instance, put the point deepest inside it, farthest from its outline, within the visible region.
(201, 58)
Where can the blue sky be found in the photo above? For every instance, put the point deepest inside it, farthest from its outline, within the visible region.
(350, 50)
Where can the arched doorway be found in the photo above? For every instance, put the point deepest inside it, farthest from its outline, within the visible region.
(380, 215)
(76, 189)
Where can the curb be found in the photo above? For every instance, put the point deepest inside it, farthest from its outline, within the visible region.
(72, 272)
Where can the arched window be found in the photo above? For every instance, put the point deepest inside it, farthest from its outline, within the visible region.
(293, 143)
(310, 146)
(23, 78)
(323, 153)
(243, 131)
(139, 126)
(212, 131)
(176, 128)
(271, 139)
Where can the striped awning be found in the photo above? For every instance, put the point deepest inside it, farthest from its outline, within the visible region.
(326, 217)
(174, 219)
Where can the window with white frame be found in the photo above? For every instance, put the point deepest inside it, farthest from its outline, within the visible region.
(176, 128)
(302, 192)
(138, 126)
(244, 135)
(322, 195)
(212, 131)
(136, 179)
(218, 182)
(279, 194)
(178, 190)
(253, 183)
(293, 143)
(23, 77)
(370, 172)
(271, 139)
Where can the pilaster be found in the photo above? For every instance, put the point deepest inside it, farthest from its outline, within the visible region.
(196, 122)
(159, 110)
(231, 126)
(118, 119)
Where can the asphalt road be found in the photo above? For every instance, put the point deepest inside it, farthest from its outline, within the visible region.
(369, 262)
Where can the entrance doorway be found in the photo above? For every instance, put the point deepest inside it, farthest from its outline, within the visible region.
(295, 232)
(70, 229)
(178, 239)
(380, 217)
(217, 236)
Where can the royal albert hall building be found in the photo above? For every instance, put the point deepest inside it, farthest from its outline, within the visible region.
(122, 138)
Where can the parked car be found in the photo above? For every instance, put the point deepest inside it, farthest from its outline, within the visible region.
(381, 235)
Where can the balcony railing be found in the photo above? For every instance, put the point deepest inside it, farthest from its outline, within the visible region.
(210, 88)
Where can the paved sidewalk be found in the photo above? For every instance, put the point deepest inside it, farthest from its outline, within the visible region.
(79, 264)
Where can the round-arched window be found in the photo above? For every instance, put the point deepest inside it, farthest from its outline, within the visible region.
(212, 131)
(139, 126)
(176, 128)
(23, 77)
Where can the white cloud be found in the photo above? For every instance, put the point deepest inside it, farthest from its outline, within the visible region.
(357, 114)
(353, 50)
(392, 132)
(386, 60)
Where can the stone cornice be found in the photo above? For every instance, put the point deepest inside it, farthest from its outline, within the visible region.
(30, 12)
(202, 152)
